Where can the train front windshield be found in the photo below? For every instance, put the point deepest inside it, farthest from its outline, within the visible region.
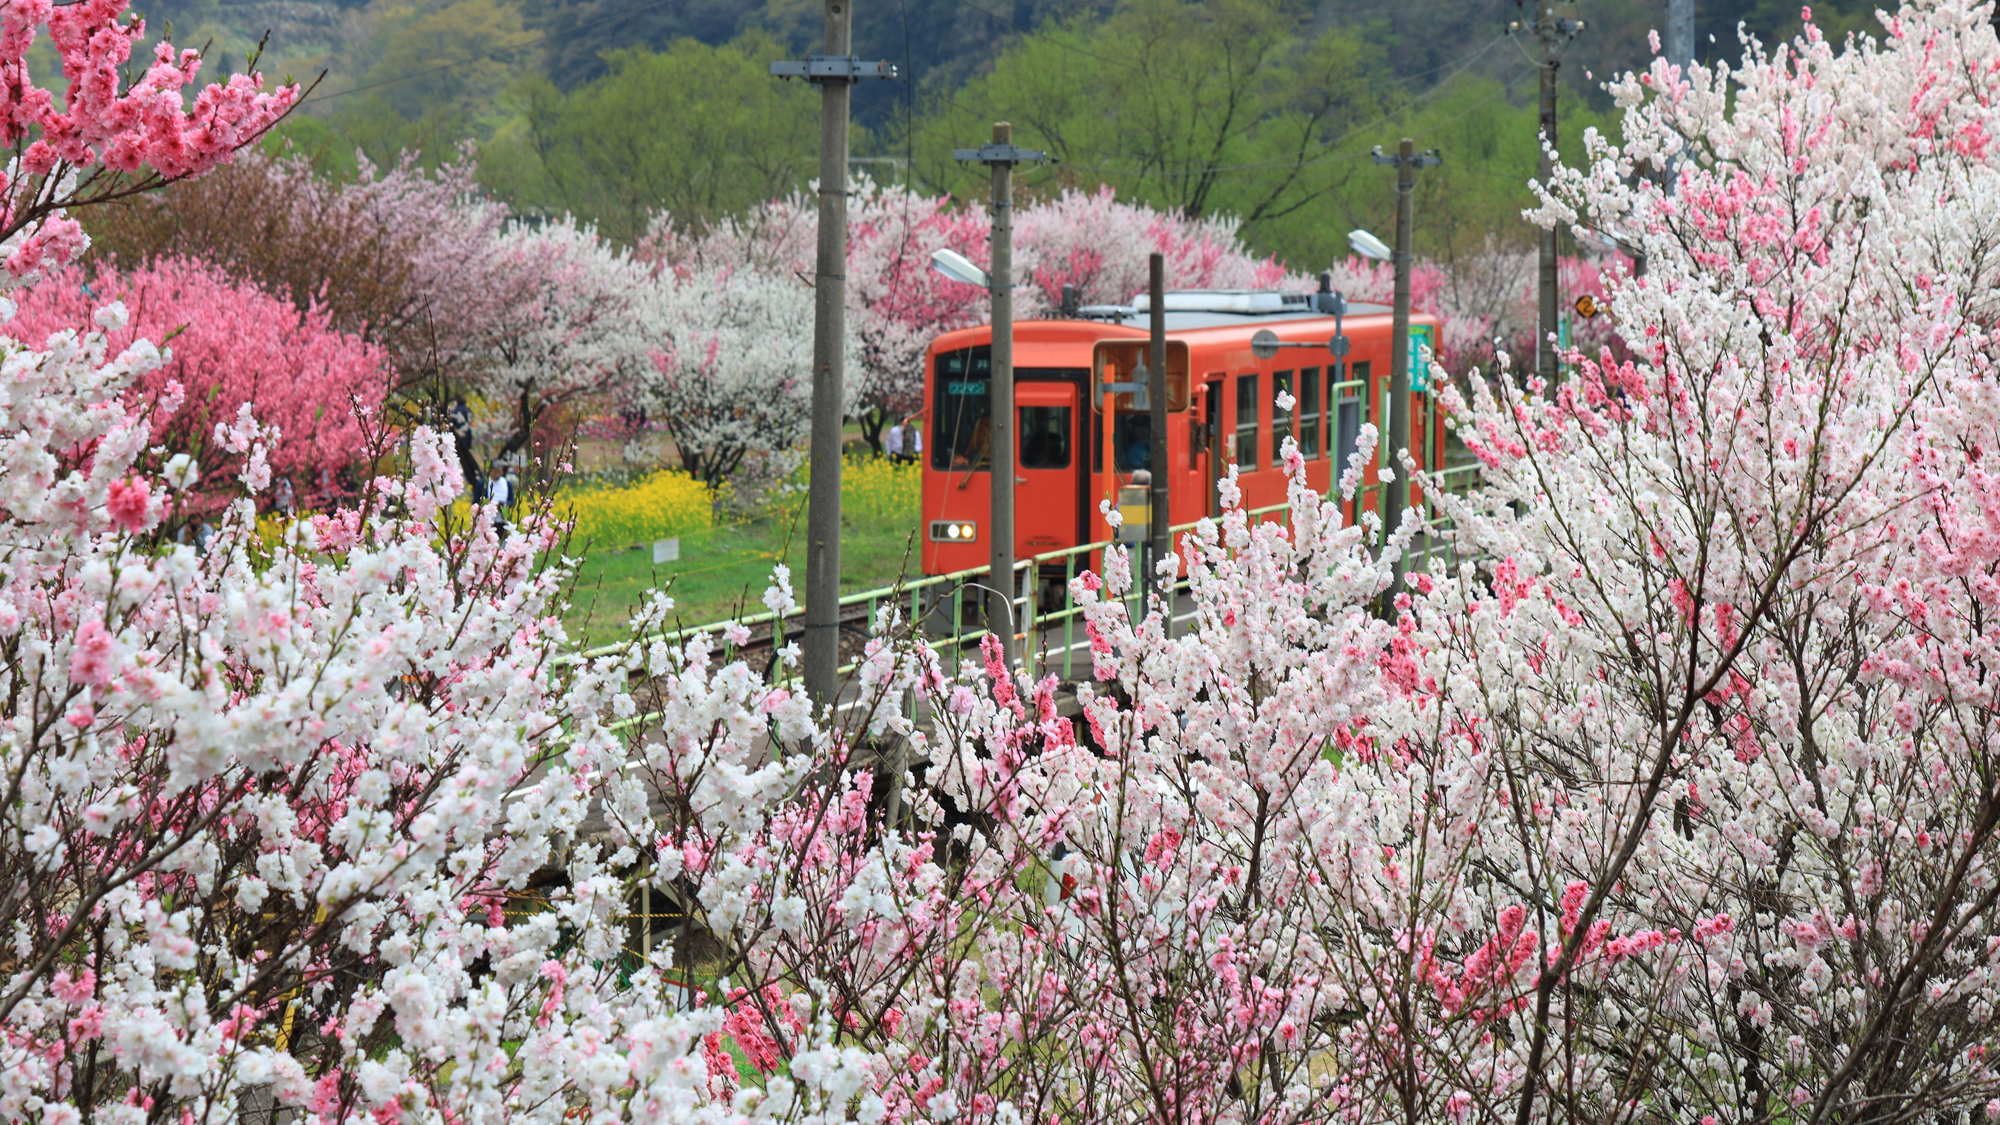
(961, 413)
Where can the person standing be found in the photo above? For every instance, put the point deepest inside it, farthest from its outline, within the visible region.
(460, 418)
(500, 490)
(894, 443)
(913, 439)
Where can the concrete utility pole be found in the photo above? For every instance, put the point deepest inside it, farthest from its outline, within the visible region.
(832, 71)
(1554, 34)
(1156, 402)
(1680, 52)
(1001, 156)
(1396, 497)
(1680, 33)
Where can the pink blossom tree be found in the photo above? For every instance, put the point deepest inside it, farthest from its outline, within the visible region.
(897, 303)
(231, 345)
(442, 239)
(272, 822)
(1102, 245)
(1669, 800)
(109, 139)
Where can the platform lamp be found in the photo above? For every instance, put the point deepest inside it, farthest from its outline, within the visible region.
(1395, 497)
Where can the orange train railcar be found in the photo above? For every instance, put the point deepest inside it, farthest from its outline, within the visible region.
(1227, 414)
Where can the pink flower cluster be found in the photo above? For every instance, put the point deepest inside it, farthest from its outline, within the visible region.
(145, 129)
(231, 345)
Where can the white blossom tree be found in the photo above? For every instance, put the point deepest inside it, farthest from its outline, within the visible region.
(574, 329)
(731, 376)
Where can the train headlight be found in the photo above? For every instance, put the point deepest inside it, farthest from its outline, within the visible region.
(953, 531)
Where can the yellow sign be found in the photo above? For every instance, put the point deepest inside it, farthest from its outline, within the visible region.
(1135, 509)
(1586, 306)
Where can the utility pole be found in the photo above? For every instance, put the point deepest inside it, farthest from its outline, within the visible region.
(1397, 496)
(832, 71)
(1554, 34)
(1001, 156)
(1680, 34)
(1680, 52)
(1156, 403)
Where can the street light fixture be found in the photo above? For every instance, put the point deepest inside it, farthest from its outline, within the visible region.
(958, 267)
(1368, 246)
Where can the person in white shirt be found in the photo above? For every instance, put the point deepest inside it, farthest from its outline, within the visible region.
(894, 442)
(500, 491)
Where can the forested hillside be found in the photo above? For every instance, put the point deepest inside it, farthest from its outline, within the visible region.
(617, 110)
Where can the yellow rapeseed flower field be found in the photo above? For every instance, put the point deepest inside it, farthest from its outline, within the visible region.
(879, 492)
(664, 505)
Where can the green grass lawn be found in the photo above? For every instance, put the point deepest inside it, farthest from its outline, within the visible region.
(723, 572)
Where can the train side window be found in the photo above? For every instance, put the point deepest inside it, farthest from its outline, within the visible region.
(1349, 402)
(1281, 416)
(961, 417)
(1247, 412)
(1309, 413)
(1045, 437)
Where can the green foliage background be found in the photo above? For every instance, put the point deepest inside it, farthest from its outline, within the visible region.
(1263, 109)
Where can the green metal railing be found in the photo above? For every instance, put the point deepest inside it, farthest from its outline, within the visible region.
(943, 597)
(929, 597)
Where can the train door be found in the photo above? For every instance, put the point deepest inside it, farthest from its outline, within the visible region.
(1045, 483)
(1347, 399)
(1211, 428)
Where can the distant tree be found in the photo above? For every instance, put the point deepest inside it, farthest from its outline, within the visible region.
(1194, 108)
(460, 54)
(404, 258)
(734, 374)
(573, 329)
(699, 131)
(941, 41)
(228, 344)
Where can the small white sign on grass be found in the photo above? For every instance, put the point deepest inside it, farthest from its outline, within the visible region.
(666, 551)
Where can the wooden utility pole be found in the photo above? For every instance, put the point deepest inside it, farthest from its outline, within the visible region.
(1396, 496)
(833, 71)
(1553, 34)
(1001, 156)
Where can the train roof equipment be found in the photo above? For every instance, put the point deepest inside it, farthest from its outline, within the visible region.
(1215, 308)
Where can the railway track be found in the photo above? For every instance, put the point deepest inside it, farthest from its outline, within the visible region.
(761, 646)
